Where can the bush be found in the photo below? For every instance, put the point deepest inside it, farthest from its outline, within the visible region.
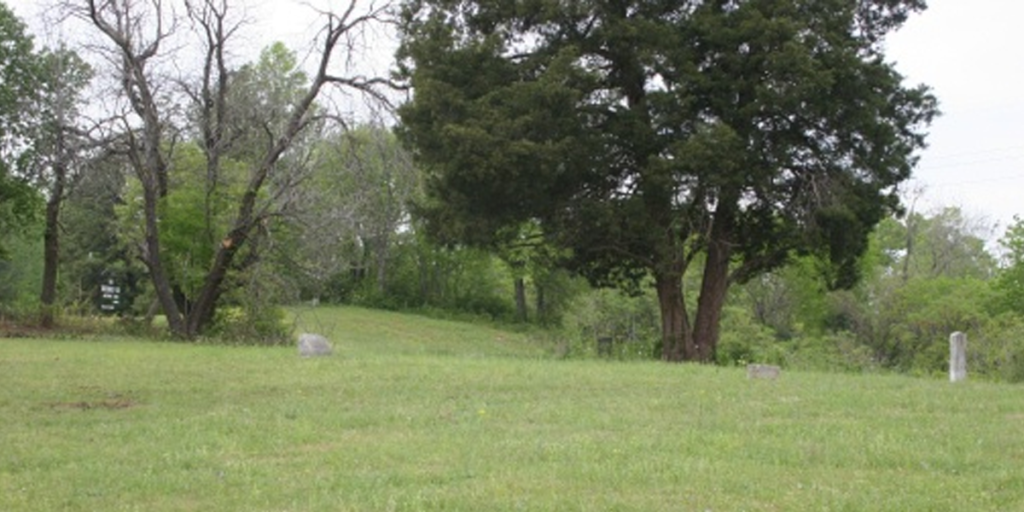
(263, 325)
(996, 350)
(632, 323)
(832, 352)
(743, 340)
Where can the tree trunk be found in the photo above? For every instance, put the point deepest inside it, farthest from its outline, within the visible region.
(714, 287)
(676, 343)
(154, 262)
(205, 304)
(521, 312)
(247, 218)
(380, 253)
(540, 301)
(51, 247)
(124, 26)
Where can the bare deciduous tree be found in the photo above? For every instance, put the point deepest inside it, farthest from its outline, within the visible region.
(138, 34)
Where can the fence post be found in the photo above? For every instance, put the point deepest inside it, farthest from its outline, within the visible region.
(957, 357)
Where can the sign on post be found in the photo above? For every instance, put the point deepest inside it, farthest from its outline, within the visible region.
(110, 297)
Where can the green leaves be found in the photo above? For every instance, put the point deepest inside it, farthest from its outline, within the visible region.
(19, 81)
(19, 73)
(1010, 282)
(504, 93)
(637, 133)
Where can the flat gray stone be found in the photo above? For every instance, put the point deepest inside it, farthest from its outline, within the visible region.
(763, 371)
(313, 345)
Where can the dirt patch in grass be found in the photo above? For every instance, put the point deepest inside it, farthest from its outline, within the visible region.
(112, 402)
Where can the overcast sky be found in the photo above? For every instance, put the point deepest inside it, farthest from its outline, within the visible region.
(970, 52)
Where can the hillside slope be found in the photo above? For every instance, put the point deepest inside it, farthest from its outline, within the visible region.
(419, 414)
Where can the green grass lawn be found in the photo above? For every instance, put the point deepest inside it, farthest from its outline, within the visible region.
(419, 414)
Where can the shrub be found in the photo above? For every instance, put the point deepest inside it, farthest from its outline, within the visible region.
(262, 325)
(996, 350)
(631, 323)
(743, 340)
(831, 352)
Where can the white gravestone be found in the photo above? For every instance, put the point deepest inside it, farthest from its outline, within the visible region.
(957, 357)
(313, 345)
(763, 371)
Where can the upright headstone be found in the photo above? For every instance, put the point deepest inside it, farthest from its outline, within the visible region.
(957, 357)
(313, 345)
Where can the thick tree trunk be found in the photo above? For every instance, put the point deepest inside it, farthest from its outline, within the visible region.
(205, 304)
(676, 343)
(714, 286)
(51, 248)
(154, 263)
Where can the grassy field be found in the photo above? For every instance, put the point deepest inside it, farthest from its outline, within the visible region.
(417, 414)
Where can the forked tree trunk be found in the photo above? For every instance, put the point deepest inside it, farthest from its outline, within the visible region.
(714, 287)
(123, 22)
(676, 342)
(714, 284)
(205, 304)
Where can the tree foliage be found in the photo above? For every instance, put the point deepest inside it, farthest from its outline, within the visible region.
(1010, 282)
(59, 146)
(926, 275)
(261, 112)
(19, 81)
(643, 134)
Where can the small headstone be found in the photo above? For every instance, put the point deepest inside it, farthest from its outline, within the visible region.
(957, 357)
(763, 371)
(313, 345)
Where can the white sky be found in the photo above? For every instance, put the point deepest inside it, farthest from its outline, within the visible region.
(970, 52)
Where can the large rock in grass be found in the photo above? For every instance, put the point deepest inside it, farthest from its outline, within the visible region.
(763, 371)
(313, 345)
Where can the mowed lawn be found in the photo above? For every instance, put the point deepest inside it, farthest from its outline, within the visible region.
(417, 414)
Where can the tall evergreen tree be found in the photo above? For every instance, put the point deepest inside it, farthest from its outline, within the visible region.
(643, 134)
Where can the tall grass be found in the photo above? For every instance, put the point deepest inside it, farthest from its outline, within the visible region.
(420, 414)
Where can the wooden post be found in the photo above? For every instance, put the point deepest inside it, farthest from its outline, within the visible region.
(957, 357)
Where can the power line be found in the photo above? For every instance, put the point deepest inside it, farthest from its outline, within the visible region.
(950, 156)
(994, 179)
(950, 165)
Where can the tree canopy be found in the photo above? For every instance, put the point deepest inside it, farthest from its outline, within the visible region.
(19, 77)
(649, 136)
(247, 123)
